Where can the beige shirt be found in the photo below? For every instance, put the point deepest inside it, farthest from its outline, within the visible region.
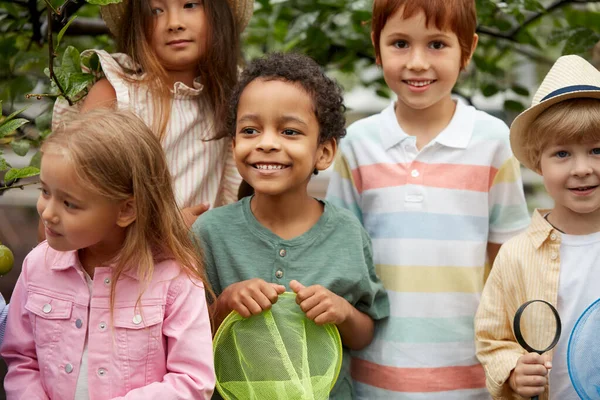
(527, 268)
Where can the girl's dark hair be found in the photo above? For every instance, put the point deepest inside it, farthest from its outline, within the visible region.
(326, 94)
(218, 68)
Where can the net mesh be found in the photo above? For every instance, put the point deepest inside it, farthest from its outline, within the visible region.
(278, 354)
(583, 353)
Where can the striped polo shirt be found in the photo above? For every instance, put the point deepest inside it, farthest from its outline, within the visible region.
(203, 170)
(430, 214)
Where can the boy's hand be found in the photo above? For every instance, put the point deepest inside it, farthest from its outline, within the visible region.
(251, 297)
(320, 304)
(530, 376)
(190, 214)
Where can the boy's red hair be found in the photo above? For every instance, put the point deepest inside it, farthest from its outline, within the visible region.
(458, 16)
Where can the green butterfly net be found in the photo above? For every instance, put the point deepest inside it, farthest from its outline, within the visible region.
(278, 354)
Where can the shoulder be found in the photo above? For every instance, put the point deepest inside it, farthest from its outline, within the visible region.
(170, 272)
(515, 250)
(215, 218)
(345, 222)
(42, 254)
(489, 127)
(101, 94)
(366, 129)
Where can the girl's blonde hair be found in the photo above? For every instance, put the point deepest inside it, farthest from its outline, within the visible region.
(115, 155)
(570, 121)
(217, 69)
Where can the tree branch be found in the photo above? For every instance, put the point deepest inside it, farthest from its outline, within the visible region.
(513, 33)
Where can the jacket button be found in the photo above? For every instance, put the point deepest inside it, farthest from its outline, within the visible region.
(101, 371)
(102, 326)
(68, 368)
(78, 323)
(47, 308)
(137, 319)
(107, 281)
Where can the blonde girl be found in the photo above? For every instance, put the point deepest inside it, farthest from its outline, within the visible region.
(177, 66)
(114, 300)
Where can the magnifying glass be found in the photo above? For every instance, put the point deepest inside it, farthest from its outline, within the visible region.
(537, 327)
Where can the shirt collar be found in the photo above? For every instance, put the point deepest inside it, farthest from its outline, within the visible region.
(457, 134)
(540, 229)
(64, 260)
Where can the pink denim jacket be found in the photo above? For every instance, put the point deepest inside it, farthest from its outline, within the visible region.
(161, 351)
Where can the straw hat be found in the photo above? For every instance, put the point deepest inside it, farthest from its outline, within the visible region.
(570, 77)
(113, 14)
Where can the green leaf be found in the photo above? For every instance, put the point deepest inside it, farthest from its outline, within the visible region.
(520, 90)
(62, 32)
(11, 116)
(489, 90)
(71, 61)
(512, 105)
(77, 83)
(36, 160)
(19, 173)
(581, 41)
(10, 126)
(103, 2)
(20, 147)
(3, 164)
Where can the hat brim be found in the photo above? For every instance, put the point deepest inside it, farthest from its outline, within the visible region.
(520, 125)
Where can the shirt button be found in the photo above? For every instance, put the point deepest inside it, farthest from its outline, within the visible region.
(279, 274)
(137, 319)
(68, 368)
(554, 256)
(102, 326)
(101, 372)
(47, 308)
(78, 323)
(553, 236)
(107, 281)
(282, 253)
(414, 173)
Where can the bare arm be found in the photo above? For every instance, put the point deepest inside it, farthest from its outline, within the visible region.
(357, 331)
(492, 251)
(102, 94)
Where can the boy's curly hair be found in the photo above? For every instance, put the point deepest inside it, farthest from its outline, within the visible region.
(326, 94)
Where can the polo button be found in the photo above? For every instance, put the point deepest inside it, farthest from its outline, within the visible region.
(68, 368)
(279, 274)
(102, 326)
(47, 308)
(414, 173)
(107, 281)
(101, 371)
(554, 256)
(282, 252)
(78, 323)
(137, 319)
(553, 236)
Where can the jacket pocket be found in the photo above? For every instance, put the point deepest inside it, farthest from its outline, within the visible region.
(49, 316)
(138, 331)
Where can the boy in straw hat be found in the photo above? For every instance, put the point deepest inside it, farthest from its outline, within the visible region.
(554, 260)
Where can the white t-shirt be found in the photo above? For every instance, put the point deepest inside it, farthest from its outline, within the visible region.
(82, 390)
(579, 286)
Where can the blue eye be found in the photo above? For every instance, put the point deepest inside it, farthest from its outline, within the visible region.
(437, 45)
(191, 5)
(45, 193)
(401, 44)
(157, 11)
(596, 151)
(562, 154)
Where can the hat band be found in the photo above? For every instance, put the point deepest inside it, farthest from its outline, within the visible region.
(570, 89)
